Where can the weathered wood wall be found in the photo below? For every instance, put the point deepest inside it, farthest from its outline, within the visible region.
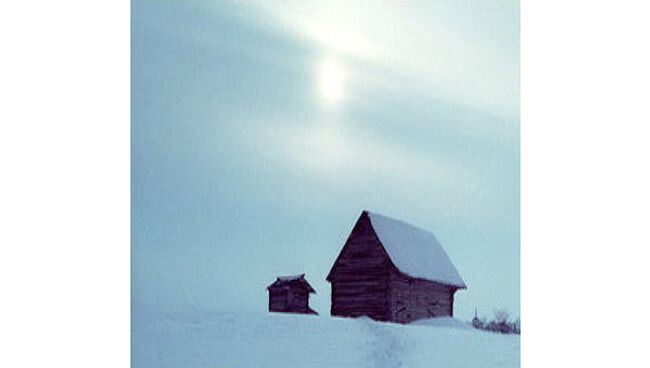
(278, 300)
(360, 276)
(411, 299)
(289, 300)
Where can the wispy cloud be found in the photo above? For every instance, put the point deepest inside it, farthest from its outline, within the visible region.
(460, 51)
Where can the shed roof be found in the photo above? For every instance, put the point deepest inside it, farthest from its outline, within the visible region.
(292, 281)
(415, 252)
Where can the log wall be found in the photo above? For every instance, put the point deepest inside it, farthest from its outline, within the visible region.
(359, 277)
(410, 299)
(289, 300)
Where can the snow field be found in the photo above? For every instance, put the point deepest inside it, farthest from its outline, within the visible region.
(190, 337)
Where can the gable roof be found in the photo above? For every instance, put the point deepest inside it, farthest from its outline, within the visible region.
(290, 281)
(415, 252)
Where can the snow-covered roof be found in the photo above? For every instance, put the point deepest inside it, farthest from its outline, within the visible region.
(291, 278)
(286, 281)
(415, 252)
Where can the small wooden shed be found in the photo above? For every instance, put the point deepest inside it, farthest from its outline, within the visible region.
(389, 270)
(290, 294)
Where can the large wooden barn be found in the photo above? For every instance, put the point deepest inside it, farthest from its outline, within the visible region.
(389, 270)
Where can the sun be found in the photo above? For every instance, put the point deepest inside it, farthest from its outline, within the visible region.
(332, 80)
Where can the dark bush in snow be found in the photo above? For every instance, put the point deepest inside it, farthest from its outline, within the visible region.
(500, 323)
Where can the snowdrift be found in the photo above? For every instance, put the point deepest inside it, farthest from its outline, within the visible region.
(189, 337)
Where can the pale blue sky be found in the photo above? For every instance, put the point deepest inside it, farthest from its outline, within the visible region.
(244, 167)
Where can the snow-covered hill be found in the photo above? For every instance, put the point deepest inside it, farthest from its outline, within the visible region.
(192, 338)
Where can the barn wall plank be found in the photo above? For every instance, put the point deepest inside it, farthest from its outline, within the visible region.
(359, 276)
(411, 299)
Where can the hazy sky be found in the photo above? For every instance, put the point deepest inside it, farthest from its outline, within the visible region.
(261, 130)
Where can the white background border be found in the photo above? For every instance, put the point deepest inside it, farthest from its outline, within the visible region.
(65, 202)
(585, 183)
(65, 184)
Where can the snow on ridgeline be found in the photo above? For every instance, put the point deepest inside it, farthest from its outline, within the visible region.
(177, 337)
(415, 251)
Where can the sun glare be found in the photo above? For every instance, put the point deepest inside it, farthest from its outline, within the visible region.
(332, 78)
